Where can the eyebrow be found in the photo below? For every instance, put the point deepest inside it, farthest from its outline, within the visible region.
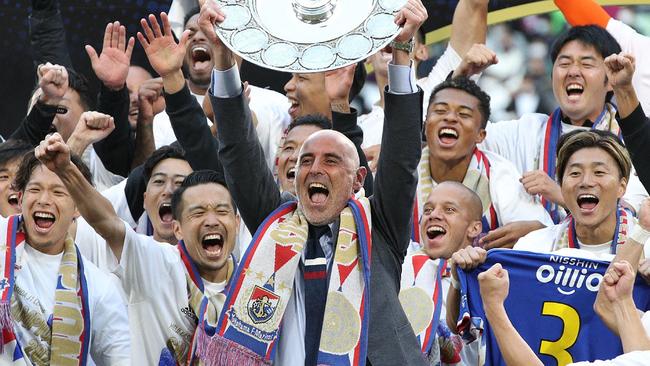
(580, 165)
(164, 175)
(582, 58)
(200, 206)
(447, 105)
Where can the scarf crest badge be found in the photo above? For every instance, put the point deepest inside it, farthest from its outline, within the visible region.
(250, 322)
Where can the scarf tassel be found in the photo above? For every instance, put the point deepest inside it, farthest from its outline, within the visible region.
(5, 322)
(219, 351)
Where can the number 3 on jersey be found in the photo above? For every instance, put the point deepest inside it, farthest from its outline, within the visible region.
(570, 329)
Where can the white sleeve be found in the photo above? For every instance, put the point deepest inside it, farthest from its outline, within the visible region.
(116, 196)
(639, 46)
(445, 64)
(111, 340)
(538, 241)
(163, 133)
(144, 263)
(635, 192)
(510, 199)
(94, 247)
(102, 177)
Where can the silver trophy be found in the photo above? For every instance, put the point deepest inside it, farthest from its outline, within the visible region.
(307, 35)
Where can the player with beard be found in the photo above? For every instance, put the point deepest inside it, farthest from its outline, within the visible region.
(326, 214)
(170, 288)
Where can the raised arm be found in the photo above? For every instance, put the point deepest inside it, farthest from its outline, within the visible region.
(617, 286)
(185, 113)
(396, 181)
(249, 179)
(53, 84)
(631, 252)
(469, 25)
(344, 118)
(494, 285)
(47, 34)
(98, 212)
(634, 124)
(112, 67)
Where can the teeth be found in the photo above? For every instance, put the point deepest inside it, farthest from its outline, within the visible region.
(44, 215)
(435, 229)
(572, 87)
(583, 196)
(199, 49)
(212, 237)
(448, 131)
(166, 204)
(317, 185)
(13, 196)
(292, 171)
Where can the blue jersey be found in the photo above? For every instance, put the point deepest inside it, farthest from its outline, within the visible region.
(550, 303)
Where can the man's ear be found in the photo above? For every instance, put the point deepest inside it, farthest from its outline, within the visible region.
(474, 230)
(178, 232)
(481, 135)
(359, 178)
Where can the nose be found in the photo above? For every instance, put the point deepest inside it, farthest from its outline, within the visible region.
(169, 188)
(198, 36)
(291, 84)
(587, 180)
(573, 70)
(211, 220)
(43, 198)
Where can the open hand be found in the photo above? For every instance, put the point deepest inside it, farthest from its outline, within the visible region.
(164, 54)
(112, 66)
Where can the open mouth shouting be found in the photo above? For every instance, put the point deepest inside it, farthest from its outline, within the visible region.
(435, 233)
(293, 108)
(318, 193)
(213, 245)
(13, 201)
(165, 213)
(587, 202)
(574, 91)
(201, 58)
(43, 221)
(291, 174)
(447, 136)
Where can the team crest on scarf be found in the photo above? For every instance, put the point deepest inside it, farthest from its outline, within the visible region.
(250, 322)
(606, 121)
(477, 179)
(262, 304)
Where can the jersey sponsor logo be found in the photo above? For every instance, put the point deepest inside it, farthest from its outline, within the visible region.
(572, 274)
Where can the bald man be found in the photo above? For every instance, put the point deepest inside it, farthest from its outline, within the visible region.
(451, 220)
(323, 237)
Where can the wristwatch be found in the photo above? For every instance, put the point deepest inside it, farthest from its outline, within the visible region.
(403, 46)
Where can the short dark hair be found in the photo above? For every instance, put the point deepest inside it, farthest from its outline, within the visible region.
(467, 85)
(194, 179)
(195, 10)
(30, 162)
(576, 140)
(79, 83)
(317, 120)
(164, 152)
(13, 149)
(590, 35)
